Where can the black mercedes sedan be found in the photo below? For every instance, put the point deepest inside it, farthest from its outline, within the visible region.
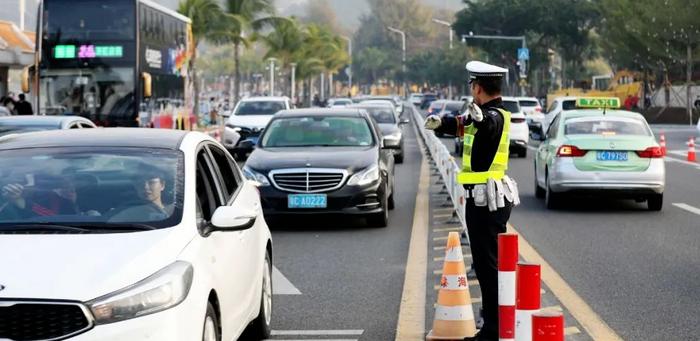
(324, 161)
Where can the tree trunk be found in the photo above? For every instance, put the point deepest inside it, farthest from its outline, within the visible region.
(237, 74)
(689, 79)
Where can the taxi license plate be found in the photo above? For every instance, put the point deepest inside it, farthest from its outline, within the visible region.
(611, 156)
(307, 201)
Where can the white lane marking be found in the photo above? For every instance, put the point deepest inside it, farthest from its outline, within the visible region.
(310, 339)
(554, 307)
(571, 331)
(281, 285)
(687, 207)
(448, 229)
(440, 238)
(440, 259)
(318, 332)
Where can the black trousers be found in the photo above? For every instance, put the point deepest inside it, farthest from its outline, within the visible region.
(483, 228)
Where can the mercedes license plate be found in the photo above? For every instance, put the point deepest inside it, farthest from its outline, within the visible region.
(608, 155)
(307, 201)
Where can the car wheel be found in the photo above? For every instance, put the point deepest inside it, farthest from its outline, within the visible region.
(655, 202)
(552, 200)
(211, 325)
(380, 219)
(539, 191)
(523, 152)
(260, 328)
(398, 158)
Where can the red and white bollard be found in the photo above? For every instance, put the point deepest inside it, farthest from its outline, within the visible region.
(507, 262)
(528, 299)
(548, 326)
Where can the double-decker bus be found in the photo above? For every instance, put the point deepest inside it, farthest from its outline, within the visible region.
(116, 62)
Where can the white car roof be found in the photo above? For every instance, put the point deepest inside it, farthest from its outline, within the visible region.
(265, 98)
(528, 99)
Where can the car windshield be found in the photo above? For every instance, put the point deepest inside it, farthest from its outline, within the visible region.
(607, 126)
(526, 103)
(327, 131)
(382, 115)
(91, 188)
(259, 108)
(450, 107)
(511, 106)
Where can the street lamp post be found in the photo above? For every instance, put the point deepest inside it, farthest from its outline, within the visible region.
(403, 59)
(272, 76)
(294, 83)
(350, 66)
(445, 23)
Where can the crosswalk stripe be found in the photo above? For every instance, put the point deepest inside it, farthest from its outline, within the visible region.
(440, 259)
(571, 331)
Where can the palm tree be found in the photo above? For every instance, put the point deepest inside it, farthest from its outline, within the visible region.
(204, 15)
(245, 17)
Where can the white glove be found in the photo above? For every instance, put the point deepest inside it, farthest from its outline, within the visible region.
(475, 112)
(433, 122)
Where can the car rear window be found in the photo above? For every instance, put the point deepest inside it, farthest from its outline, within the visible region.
(525, 103)
(454, 106)
(606, 126)
(511, 106)
(259, 108)
(382, 115)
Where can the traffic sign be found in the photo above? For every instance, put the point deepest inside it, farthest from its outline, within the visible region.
(523, 54)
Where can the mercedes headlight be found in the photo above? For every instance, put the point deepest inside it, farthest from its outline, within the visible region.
(365, 177)
(162, 290)
(255, 176)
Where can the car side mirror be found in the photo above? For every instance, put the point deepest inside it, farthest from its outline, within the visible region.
(388, 143)
(230, 218)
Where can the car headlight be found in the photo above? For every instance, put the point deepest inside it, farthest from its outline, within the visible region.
(255, 176)
(160, 291)
(365, 177)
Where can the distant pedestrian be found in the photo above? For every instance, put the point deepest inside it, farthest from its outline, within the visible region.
(23, 107)
(5, 104)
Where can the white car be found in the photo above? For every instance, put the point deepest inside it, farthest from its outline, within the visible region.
(519, 131)
(415, 98)
(249, 118)
(130, 234)
(339, 102)
(532, 109)
(557, 106)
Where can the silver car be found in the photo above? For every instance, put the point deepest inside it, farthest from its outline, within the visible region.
(249, 118)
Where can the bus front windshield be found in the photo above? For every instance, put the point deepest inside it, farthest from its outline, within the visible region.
(89, 20)
(96, 93)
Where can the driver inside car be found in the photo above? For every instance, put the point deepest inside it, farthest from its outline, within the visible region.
(150, 206)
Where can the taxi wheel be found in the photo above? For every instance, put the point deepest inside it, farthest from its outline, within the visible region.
(655, 202)
(539, 191)
(211, 325)
(552, 200)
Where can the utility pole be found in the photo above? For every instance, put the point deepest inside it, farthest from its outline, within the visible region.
(350, 66)
(403, 59)
(22, 9)
(523, 64)
(272, 76)
(294, 83)
(445, 23)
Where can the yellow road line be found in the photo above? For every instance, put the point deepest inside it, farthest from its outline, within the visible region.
(579, 309)
(411, 321)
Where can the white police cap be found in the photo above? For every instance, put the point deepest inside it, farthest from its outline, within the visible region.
(479, 69)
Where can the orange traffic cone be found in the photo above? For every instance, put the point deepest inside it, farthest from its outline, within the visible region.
(454, 317)
(691, 150)
(662, 143)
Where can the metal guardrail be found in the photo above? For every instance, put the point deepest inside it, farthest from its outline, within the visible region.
(446, 165)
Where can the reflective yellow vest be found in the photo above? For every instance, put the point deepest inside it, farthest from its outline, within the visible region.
(498, 167)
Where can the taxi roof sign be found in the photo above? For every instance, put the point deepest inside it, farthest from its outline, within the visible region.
(598, 103)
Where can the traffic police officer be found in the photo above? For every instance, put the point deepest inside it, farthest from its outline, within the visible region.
(490, 193)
